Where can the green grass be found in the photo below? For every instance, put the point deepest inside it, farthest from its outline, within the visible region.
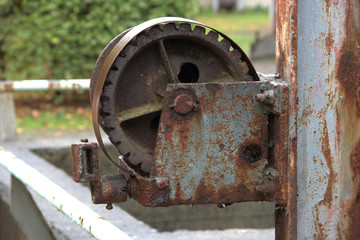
(63, 120)
(239, 26)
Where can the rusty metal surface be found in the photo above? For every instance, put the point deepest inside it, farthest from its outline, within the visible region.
(133, 92)
(286, 65)
(328, 119)
(218, 152)
(85, 162)
(150, 192)
(108, 189)
(217, 143)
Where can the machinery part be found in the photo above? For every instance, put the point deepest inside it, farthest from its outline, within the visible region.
(108, 189)
(188, 114)
(133, 93)
(221, 145)
(220, 151)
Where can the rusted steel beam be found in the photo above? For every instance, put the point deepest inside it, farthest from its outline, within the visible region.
(328, 119)
(318, 53)
(286, 65)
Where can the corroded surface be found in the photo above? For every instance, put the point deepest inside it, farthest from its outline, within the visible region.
(328, 119)
(286, 65)
(218, 152)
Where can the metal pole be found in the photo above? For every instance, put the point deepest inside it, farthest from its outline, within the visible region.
(44, 85)
(63, 201)
(318, 53)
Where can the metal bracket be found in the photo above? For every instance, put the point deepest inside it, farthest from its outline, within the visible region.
(107, 189)
(215, 142)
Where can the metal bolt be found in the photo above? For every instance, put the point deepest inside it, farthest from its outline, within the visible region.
(221, 205)
(271, 173)
(267, 97)
(109, 206)
(183, 104)
(84, 140)
(161, 184)
(266, 188)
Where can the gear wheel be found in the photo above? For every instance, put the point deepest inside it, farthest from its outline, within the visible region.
(133, 92)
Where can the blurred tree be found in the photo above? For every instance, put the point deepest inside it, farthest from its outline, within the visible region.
(62, 39)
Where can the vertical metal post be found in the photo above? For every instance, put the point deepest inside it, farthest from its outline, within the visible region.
(286, 63)
(318, 53)
(7, 117)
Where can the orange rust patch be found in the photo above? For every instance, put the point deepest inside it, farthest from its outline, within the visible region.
(329, 195)
(348, 75)
(326, 151)
(348, 69)
(354, 210)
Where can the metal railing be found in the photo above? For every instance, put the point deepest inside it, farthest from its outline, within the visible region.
(59, 198)
(44, 85)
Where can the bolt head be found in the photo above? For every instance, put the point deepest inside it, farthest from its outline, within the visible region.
(183, 104)
(161, 183)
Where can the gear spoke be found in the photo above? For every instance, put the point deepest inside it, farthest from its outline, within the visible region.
(166, 64)
(139, 111)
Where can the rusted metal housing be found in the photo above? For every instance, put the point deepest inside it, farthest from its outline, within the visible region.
(218, 153)
(220, 150)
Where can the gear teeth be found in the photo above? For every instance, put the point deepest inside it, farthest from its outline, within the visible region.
(133, 42)
(235, 54)
(122, 54)
(107, 82)
(161, 27)
(199, 30)
(134, 159)
(115, 137)
(170, 27)
(104, 98)
(145, 166)
(103, 113)
(185, 27)
(114, 68)
(213, 35)
(154, 30)
(225, 44)
(141, 37)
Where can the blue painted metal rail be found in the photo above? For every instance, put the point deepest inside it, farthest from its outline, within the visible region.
(59, 198)
(44, 85)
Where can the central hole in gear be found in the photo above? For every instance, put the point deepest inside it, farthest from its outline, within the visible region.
(189, 73)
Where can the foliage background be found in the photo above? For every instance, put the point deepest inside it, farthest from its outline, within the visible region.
(62, 39)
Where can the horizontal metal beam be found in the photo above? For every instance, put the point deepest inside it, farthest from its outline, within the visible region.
(44, 85)
(59, 198)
